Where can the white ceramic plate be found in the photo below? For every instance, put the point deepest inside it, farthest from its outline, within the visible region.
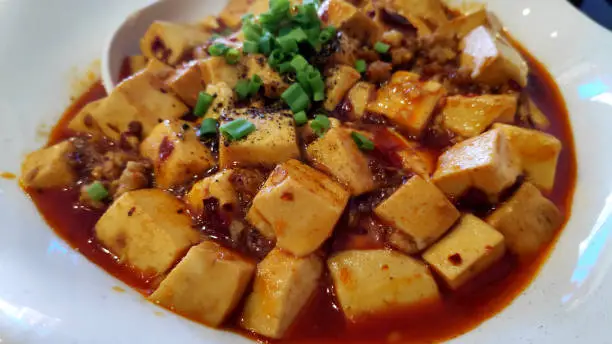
(51, 294)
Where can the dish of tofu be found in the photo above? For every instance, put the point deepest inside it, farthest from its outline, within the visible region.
(297, 171)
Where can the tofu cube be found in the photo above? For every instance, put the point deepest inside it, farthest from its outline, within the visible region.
(463, 24)
(49, 167)
(217, 186)
(469, 249)
(176, 153)
(470, 116)
(299, 206)
(223, 100)
(274, 140)
(207, 284)
(283, 286)
(420, 210)
(368, 282)
(136, 63)
(359, 95)
(527, 220)
(147, 229)
(273, 84)
(350, 20)
(403, 153)
(422, 14)
(538, 152)
(215, 70)
(491, 59)
(486, 162)
(340, 80)
(337, 154)
(158, 70)
(84, 122)
(408, 102)
(171, 42)
(186, 83)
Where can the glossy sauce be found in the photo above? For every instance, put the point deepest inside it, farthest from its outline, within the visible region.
(322, 321)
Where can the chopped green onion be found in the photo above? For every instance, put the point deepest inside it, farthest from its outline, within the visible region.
(327, 34)
(96, 191)
(296, 98)
(252, 31)
(243, 89)
(361, 66)
(280, 6)
(298, 34)
(232, 56)
(299, 63)
(302, 79)
(247, 17)
(362, 142)
(315, 81)
(254, 84)
(276, 58)
(203, 103)
(381, 48)
(266, 43)
(217, 49)
(208, 127)
(285, 67)
(300, 118)
(269, 21)
(287, 43)
(320, 124)
(250, 47)
(237, 129)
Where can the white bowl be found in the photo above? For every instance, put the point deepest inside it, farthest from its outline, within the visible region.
(51, 294)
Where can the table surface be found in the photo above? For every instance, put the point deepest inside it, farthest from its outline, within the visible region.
(599, 10)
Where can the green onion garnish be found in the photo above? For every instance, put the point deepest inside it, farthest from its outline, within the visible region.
(315, 80)
(320, 124)
(250, 47)
(242, 89)
(208, 127)
(327, 34)
(252, 31)
(287, 43)
(361, 66)
(203, 103)
(276, 58)
(232, 56)
(266, 43)
(296, 98)
(298, 34)
(254, 84)
(362, 142)
(300, 118)
(217, 49)
(381, 48)
(96, 191)
(299, 63)
(237, 129)
(285, 67)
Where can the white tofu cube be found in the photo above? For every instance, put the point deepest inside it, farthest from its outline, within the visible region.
(538, 152)
(470, 116)
(171, 42)
(283, 285)
(207, 284)
(187, 83)
(350, 20)
(405, 154)
(147, 229)
(463, 24)
(273, 141)
(176, 153)
(408, 102)
(359, 96)
(299, 206)
(486, 162)
(466, 251)
(491, 59)
(84, 122)
(368, 282)
(340, 80)
(273, 83)
(527, 220)
(49, 167)
(217, 186)
(422, 14)
(215, 70)
(223, 100)
(420, 210)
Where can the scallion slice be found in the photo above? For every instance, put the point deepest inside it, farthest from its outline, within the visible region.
(300, 118)
(327, 34)
(217, 49)
(320, 124)
(243, 89)
(208, 127)
(287, 43)
(362, 142)
(237, 129)
(361, 66)
(296, 98)
(203, 103)
(299, 63)
(96, 191)
(232, 56)
(250, 47)
(381, 48)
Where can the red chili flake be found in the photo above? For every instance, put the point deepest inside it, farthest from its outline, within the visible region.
(287, 196)
(455, 259)
(131, 211)
(165, 149)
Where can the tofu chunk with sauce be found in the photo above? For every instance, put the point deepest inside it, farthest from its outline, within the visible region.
(215, 70)
(273, 141)
(527, 220)
(176, 153)
(147, 229)
(273, 83)
(223, 99)
(466, 251)
(171, 42)
(463, 24)
(486, 162)
(408, 102)
(419, 210)
(299, 206)
(283, 286)
(538, 152)
(84, 122)
(491, 59)
(404, 153)
(350, 20)
(218, 186)
(207, 284)
(49, 167)
(337, 154)
(368, 282)
(359, 96)
(470, 116)
(422, 14)
(340, 80)
(186, 83)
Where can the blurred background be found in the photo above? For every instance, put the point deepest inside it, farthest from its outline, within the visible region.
(599, 10)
